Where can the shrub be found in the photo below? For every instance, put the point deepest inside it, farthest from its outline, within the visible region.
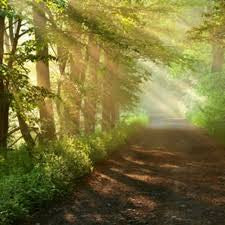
(20, 193)
(27, 183)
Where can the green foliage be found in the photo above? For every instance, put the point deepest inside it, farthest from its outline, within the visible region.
(210, 113)
(212, 29)
(27, 183)
(17, 162)
(136, 119)
(209, 85)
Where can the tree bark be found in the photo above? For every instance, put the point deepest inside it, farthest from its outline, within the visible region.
(24, 128)
(110, 101)
(62, 54)
(4, 96)
(106, 95)
(25, 131)
(42, 69)
(115, 113)
(218, 58)
(90, 108)
(115, 106)
(75, 74)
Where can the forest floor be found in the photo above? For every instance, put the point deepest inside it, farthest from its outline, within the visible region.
(171, 173)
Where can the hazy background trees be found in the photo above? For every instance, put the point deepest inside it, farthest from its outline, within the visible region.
(86, 58)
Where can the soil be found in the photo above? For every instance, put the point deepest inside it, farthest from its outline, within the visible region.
(172, 175)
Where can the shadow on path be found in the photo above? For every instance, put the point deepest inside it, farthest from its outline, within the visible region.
(172, 175)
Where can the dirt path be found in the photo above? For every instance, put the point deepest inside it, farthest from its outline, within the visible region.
(172, 175)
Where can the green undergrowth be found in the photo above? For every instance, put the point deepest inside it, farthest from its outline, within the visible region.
(213, 122)
(209, 113)
(30, 182)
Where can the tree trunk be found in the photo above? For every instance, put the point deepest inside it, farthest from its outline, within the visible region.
(110, 102)
(4, 97)
(115, 113)
(24, 128)
(62, 54)
(106, 95)
(218, 58)
(90, 108)
(42, 69)
(106, 113)
(115, 107)
(75, 73)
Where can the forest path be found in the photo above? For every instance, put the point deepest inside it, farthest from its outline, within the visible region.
(171, 174)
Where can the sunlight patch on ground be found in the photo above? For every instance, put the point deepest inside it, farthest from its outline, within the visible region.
(145, 178)
(136, 161)
(70, 218)
(102, 176)
(158, 151)
(169, 166)
(116, 170)
(141, 201)
(161, 153)
(114, 162)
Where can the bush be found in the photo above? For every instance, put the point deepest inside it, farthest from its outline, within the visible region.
(20, 193)
(210, 112)
(27, 183)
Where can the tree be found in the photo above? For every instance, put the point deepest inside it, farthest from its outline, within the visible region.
(42, 68)
(211, 30)
(4, 97)
(92, 95)
(218, 58)
(91, 89)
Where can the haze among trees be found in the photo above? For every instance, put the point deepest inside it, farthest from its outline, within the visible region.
(71, 77)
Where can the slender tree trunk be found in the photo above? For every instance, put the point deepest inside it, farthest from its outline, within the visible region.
(107, 95)
(70, 89)
(78, 69)
(75, 73)
(115, 107)
(218, 58)
(115, 113)
(42, 68)
(83, 80)
(92, 94)
(106, 114)
(25, 130)
(63, 59)
(110, 101)
(4, 97)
